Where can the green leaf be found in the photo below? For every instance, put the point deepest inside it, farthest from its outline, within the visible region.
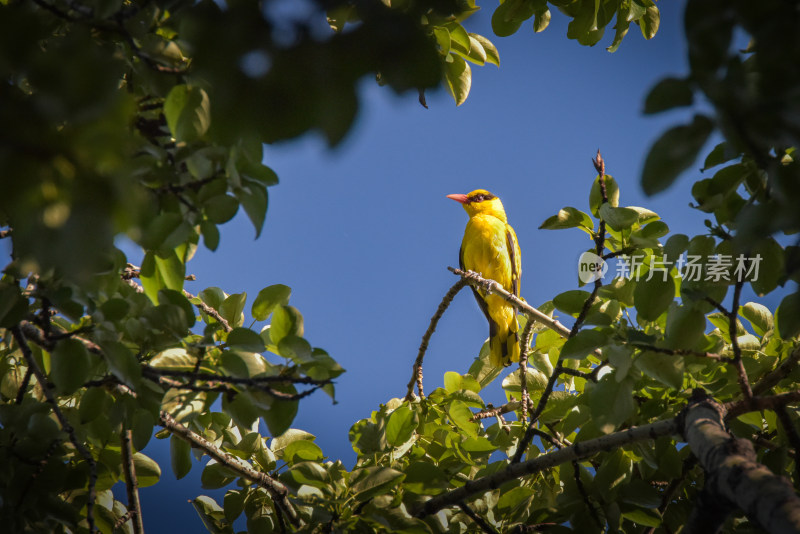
(514, 500)
(245, 339)
(148, 471)
(13, 306)
(221, 208)
(665, 368)
(571, 301)
(93, 403)
(243, 364)
(458, 78)
(510, 15)
(286, 320)
(122, 363)
(650, 22)
(280, 417)
(568, 217)
(371, 481)
(268, 298)
(177, 298)
(188, 112)
(232, 309)
(759, 316)
(401, 425)
(70, 364)
(618, 218)
(596, 194)
(652, 297)
(583, 343)
(281, 441)
(643, 516)
(673, 153)
(461, 416)
(492, 56)
(787, 316)
(210, 235)
(180, 457)
(685, 327)
(216, 475)
(162, 270)
(615, 470)
(535, 379)
(771, 261)
(541, 19)
(254, 200)
(722, 153)
(302, 451)
(611, 403)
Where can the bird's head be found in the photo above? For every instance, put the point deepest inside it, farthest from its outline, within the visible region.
(481, 201)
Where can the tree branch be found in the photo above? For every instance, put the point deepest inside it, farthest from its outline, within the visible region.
(416, 376)
(732, 474)
(523, 369)
(482, 524)
(131, 483)
(744, 382)
(16, 331)
(772, 378)
(546, 461)
(277, 490)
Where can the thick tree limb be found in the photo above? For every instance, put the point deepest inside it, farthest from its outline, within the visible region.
(733, 476)
(702, 425)
(277, 490)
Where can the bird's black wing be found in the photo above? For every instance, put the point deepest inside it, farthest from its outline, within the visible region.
(511, 243)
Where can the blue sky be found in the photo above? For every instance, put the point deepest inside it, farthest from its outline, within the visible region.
(363, 233)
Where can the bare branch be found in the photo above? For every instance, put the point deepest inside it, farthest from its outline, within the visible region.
(523, 368)
(416, 376)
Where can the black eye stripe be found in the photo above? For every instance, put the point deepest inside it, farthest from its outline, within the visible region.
(480, 197)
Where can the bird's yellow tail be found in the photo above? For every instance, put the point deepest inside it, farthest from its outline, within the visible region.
(504, 343)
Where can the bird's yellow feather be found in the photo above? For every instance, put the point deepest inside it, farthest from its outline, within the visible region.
(490, 247)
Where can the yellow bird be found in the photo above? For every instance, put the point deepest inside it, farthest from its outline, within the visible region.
(490, 247)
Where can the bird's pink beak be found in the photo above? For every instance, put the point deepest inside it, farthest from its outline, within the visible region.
(458, 198)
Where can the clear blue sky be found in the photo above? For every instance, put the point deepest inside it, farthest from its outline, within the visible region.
(363, 234)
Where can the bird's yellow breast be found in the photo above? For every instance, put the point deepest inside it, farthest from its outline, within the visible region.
(485, 249)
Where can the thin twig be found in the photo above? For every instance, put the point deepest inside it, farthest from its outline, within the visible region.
(23, 387)
(131, 483)
(733, 315)
(416, 376)
(16, 331)
(478, 520)
(582, 490)
(673, 487)
(523, 368)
